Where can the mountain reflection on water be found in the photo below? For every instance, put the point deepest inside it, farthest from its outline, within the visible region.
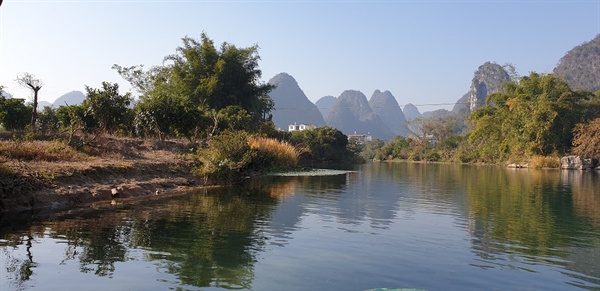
(388, 224)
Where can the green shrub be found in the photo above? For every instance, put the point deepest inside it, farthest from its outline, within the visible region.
(226, 158)
(234, 155)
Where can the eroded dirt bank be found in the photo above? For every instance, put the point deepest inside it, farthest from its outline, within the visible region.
(130, 167)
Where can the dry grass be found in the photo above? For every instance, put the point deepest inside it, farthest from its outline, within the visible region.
(539, 162)
(39, 151)
(282, 153)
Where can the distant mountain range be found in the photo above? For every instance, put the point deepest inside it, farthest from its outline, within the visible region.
(353, 114)
(71, 98)
(381, 116)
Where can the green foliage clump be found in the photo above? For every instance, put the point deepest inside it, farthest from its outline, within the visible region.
(323, 145)
(234, 155)
(226, 157)
(535, 116)
(14, 114)
(422, 149)
(366, 151)
(6, 171)
(108, 108)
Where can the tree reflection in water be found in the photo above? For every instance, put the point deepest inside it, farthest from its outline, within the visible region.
(205, 239)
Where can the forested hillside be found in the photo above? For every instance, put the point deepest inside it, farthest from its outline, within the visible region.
(580, 66)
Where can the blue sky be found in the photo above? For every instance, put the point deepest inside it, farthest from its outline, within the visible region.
(424, 52)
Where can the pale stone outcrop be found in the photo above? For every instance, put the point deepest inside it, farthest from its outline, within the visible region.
(576, 163)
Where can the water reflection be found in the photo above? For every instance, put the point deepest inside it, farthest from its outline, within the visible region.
(218, 243)
(547, 217)
(482, 222)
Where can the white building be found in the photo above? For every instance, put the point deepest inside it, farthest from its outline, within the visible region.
(360, 138)
(301, 126)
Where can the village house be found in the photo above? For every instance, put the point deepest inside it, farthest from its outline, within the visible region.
(301, 126)
(359, 138)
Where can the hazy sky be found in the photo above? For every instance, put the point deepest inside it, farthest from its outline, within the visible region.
(424, 52)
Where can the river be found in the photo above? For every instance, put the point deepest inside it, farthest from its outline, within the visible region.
(394, 225)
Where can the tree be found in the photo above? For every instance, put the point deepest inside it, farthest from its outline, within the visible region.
(30, 81)
(142, 81)
(323, 144)
(109, 108)
(232, 118)
(14, 114)
(197, 79)
(73, 118)
(586, 142)
(165, 114)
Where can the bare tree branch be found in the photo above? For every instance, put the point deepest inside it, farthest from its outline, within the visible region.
(35, 84)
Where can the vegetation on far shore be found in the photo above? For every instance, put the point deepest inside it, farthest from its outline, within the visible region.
(213, 99)
(535, 119)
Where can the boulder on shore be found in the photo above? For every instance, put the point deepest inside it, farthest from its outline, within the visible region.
(576, 163)
(518, 166)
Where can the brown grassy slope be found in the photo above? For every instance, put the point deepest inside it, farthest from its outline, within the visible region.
(41, 174)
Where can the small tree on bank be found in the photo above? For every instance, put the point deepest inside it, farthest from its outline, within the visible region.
(28, 80)
(109, 108)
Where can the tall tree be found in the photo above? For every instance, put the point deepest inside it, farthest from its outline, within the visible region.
(194, 83)
(218, 78)
(30, 81)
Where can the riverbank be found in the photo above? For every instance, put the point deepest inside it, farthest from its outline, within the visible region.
(47, 176)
